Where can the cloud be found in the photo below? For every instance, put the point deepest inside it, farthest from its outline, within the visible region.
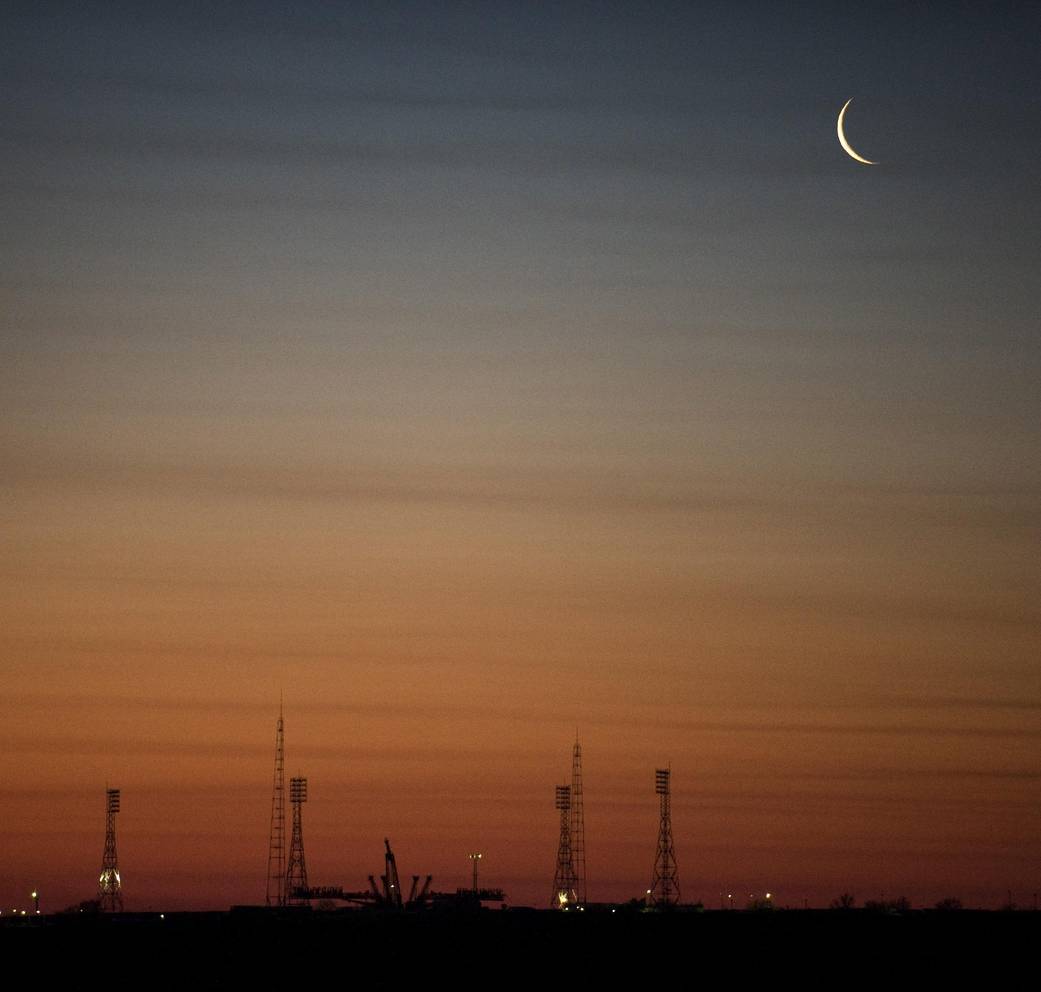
(224, 749)
(932, 702)
(847, 729)
(94, 471)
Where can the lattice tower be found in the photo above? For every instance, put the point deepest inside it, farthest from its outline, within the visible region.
(276, 856)
(564, 895)
(578, 825)
(665, 887)
(296, 873)
(110, 885)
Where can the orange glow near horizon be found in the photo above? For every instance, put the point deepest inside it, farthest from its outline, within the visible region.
(436, 657)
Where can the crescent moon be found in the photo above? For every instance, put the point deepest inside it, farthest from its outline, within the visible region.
(845, 144)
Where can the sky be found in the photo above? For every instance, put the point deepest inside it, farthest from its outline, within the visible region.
(478, 375)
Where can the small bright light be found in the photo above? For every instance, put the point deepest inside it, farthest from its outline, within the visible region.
(162, 916)
(768, 894)
(34, 893)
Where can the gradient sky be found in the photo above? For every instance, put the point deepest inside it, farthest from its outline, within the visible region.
(475, 374)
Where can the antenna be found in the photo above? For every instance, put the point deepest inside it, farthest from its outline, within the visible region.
(276, 856)
(578, 825)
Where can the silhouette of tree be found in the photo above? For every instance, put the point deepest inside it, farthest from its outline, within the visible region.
(845, 901)
(948, 905)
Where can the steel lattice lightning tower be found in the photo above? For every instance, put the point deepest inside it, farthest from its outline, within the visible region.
(578, 825)
(564, 880)
(296, 874)
(665, 887)
(110, 886)
(276, 856)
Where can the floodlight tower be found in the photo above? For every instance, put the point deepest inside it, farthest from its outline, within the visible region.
(578, 825)
(564, 879)
(276, 856)
(665, 887)
(110, 886)
(296, 874)
(475, 858)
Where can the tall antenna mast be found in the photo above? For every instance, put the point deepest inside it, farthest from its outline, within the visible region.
(110, 886)
(276, 856)
(578, 825)
(296, 875)
(665, 887)
(564, 878)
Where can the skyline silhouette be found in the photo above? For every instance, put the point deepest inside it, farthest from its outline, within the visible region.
(287, 879)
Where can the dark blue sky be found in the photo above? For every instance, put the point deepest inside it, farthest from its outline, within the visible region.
(522, 178)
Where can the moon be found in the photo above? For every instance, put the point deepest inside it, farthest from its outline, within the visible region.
(847, 147)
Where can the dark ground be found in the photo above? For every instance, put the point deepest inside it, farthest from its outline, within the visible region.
(260, 949)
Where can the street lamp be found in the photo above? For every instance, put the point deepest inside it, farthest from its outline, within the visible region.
(475, 858)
